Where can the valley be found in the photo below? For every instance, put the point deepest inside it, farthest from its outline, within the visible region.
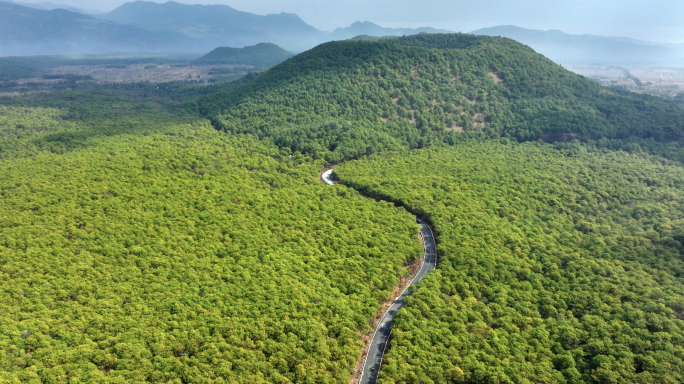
(667, 82)
(149, 73)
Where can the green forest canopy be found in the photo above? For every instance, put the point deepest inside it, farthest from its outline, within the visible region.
(555, 265)
(175, 253)
(138, 243)
(350, 98)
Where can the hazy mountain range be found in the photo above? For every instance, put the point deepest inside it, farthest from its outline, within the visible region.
(370, 29)
(49, 6)
(587, 49)
(148, 27)
(30, 31)
(218, 25)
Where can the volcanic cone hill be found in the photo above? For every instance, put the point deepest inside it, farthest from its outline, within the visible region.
(349, 98)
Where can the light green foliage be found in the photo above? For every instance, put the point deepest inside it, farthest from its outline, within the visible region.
(62, 121)
(19, 126)
(176, 253)
(17, 123)
(556, 265)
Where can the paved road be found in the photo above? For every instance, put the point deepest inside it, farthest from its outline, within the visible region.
(378, 345)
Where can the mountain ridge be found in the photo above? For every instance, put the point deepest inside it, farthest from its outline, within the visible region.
(367, 28)
(585, 49)
(27, 31)
(49, 6)
(218, 25)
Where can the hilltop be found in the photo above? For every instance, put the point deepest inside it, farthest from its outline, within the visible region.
(260, 55)
(349, 98)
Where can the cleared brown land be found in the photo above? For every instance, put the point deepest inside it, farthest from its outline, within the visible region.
(147, 72)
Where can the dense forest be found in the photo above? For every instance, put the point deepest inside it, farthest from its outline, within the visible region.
(557, 265)
(175, 253)
(179, 233)
(350, 98)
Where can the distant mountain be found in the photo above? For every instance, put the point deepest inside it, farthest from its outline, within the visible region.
(146, 27)
(49, 6)
(366, 28)
(586, 49)
(218, 25)
(260, 55)
(29, 31)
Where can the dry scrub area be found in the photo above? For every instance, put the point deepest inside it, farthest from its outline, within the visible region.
(665, 82)
(149, 72)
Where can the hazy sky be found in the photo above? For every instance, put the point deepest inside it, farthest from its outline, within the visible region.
(661, 20)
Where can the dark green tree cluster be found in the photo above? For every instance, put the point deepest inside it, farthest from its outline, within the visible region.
(259, 56)
(176, 253)
(556, 265)
(420, 89)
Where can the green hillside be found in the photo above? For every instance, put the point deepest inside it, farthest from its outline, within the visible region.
(259, 56)
(349, 98)
(556, 265)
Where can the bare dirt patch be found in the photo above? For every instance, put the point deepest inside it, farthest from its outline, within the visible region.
(149, 72)
(662, 81)
(495, 77)
(455, 128)
(404, 282)
(479, 121)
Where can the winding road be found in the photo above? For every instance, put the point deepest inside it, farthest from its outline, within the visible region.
(378, 345)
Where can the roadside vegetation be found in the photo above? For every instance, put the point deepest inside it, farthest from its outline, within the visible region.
(170, 252)
(556, 265)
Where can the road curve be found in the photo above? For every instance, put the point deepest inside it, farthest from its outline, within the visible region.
(378, 345)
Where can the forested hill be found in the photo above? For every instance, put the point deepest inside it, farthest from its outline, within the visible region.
(260, 55)
(349, 98)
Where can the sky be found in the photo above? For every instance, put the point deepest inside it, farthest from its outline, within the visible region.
(655, 20)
